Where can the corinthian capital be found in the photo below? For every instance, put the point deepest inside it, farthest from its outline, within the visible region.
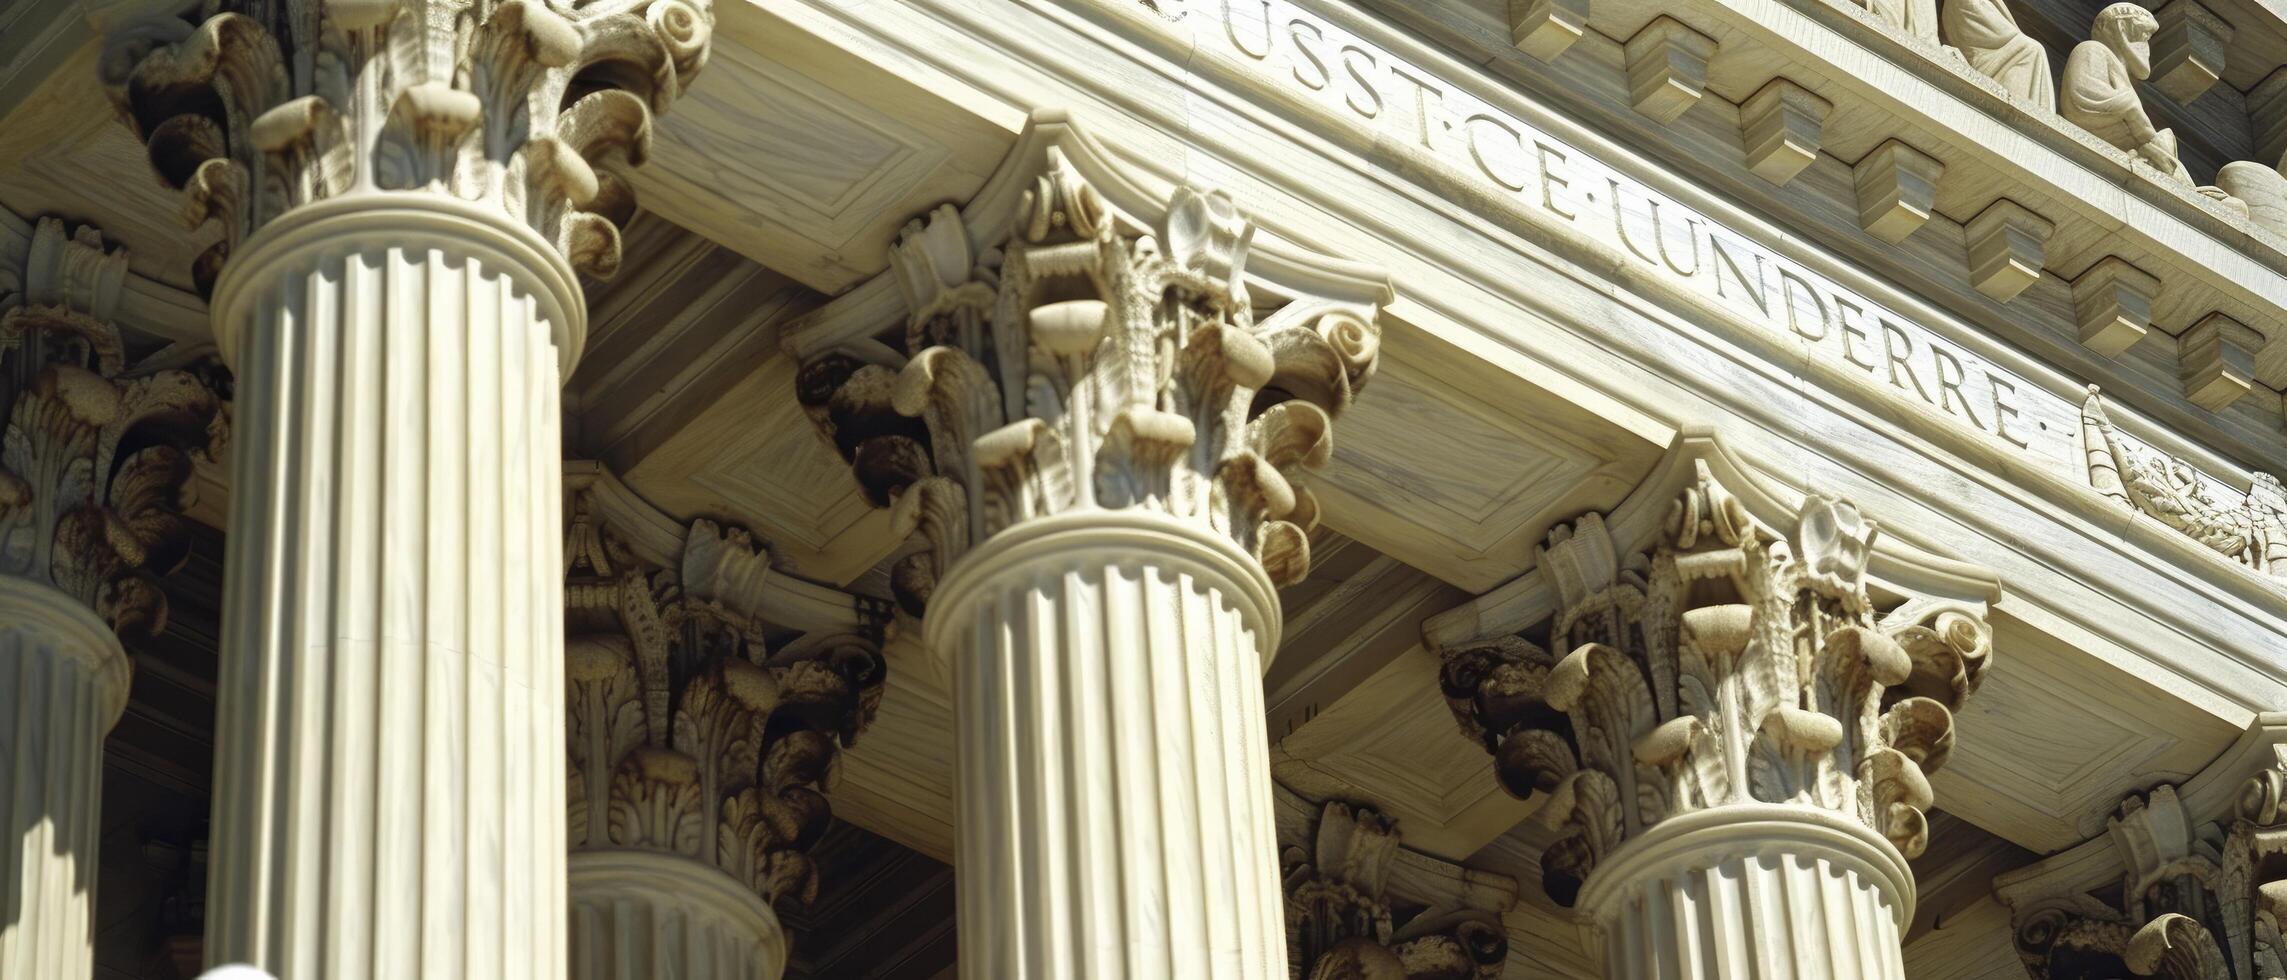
(1341, 920)
(702, 721)
(1062, 352)
(96, 452)
(1731, 663)
(533, 108)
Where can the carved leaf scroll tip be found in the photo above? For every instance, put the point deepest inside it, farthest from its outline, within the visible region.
(535, 109)
(1832, 705)
(1092, 360)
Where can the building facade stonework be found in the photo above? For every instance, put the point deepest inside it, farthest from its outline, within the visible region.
(1377, 490)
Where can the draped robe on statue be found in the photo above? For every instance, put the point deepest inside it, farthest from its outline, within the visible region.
(2099, 94)
(1916, 17)
(1987, 35)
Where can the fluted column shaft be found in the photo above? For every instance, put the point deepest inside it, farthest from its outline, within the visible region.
(389, 786)
(1762, 891)
(63, 683)
(1115, 805)
(641, 915)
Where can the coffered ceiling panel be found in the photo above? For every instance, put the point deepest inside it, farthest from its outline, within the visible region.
(805, 160)
(2055, 738)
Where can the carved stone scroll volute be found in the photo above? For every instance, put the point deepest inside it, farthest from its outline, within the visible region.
(532, 108)
(97, 454)
(1729, 665)
(2193, 900)
(1092, 361)
(1342, 920)
(95, 458)
(696, 727)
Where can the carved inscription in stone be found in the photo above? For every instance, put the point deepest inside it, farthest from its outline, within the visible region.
(1649, 230)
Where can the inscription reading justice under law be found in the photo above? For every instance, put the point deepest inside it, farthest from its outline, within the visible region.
(1651, 229)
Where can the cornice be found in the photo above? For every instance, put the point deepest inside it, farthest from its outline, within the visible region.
(2210, 795)
(1277, 270)
(1897, 564)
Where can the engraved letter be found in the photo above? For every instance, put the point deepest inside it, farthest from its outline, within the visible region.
(2003, 413)
(1365, 85)
(1754, 287)
(1691, 237)
(1787, 283)
(1231, 30)
(1894, 339)
(1478, 154)
(1948, 391)
(1294, 29)
(1423, 103)
(1550, 159)
(1851, 331)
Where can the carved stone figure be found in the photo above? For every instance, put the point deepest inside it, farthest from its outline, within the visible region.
(2250, 530)
(1987, 35)
(1339, 919)
(1726, 667)
(1916, 17)
(2099, 88)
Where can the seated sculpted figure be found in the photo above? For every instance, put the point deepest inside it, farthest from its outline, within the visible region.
(1987, 35)
(2099, 88)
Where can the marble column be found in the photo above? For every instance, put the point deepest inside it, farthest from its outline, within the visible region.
(402, 217)
(92, 468)
(1733, 736)
(1108, 489)
(701, 740)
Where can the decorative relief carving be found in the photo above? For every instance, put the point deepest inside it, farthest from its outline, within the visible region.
(1092, 360)
(96, 457)
(1987, 35)
(2249, 528)
(2099, 88)
(2194, 901)
(1341, 921)
(1729, 665)
(696, 726)
(536, 108)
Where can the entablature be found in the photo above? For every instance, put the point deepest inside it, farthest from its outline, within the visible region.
(1857, 85)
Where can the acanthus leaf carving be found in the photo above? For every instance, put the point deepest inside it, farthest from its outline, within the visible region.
(97, 453)
(533, 108)
(2195, 900)
(1091, 360)
(696, 725)
(1343, 923)
(1729, 665)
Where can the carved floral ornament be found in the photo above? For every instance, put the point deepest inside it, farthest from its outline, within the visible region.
(97, 451)
(534, 108)
(697, 726)
(1091, 358)
(1341, 924)
(2189, 901)
(1729, 664)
